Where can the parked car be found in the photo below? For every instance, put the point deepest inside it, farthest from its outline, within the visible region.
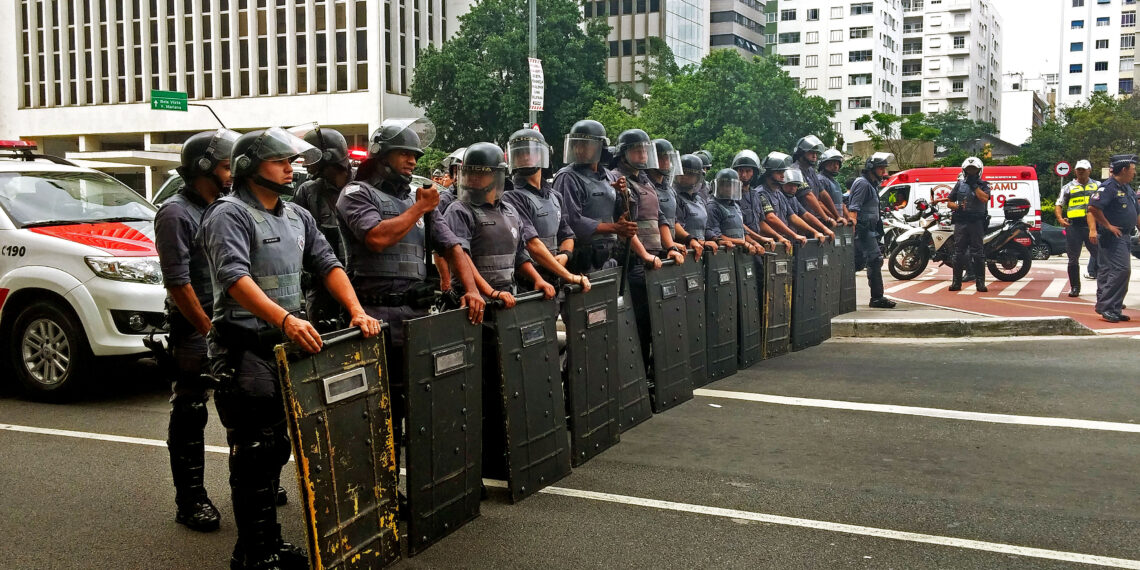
(174, 183)
(79, 273)
(1048, 242)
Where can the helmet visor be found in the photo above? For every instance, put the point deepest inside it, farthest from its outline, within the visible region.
(480, 184)
(727, 189)
(583, 149)
(641, 155)
(669, 164)
(279, 144)
(222, 144)
(423, 128)
(528, 153)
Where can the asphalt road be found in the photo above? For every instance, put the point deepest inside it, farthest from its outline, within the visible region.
(730, 482)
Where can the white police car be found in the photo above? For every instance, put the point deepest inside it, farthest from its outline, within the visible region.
(79, 273)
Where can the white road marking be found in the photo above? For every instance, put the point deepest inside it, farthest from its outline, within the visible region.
(903, 285)
(1015, 287)
(1054, 289)
(967, 289)
(926, 412)
(963, 543)
(934, 288)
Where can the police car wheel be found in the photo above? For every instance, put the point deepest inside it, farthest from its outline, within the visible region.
(1040, 251)
(48, 349)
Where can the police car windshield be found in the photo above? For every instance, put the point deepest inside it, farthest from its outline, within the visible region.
(59, 198)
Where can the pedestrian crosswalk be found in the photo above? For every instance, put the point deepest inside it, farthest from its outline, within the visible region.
(1028, 287)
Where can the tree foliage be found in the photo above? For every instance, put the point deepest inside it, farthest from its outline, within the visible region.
(955, 128)
(900, 136)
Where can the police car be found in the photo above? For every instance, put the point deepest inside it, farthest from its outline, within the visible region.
(79, 273)
(903, 190)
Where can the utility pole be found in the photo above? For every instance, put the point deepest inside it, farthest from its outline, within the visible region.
(533, 45)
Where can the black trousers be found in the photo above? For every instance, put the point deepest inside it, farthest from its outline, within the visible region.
(868, 254)
(188, 411)
(1076, 236)
(969, 251)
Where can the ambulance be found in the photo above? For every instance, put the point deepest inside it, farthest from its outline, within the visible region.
(902, 190)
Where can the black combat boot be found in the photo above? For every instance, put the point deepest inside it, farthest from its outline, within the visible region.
(980, 275)
(956, 284)
(187, 459)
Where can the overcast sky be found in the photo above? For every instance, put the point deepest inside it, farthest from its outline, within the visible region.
(1031, 29)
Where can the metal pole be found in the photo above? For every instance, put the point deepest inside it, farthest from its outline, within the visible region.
(533, 44)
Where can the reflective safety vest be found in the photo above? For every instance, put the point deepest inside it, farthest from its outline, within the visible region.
(1077, 205)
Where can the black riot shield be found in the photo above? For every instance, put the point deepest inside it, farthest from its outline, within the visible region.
(720, 314)
(592, 370)
(444, 366)
(807, 307)
(665, 293)
(749, 333)
(778, 269)
(633, 388)
(340, 420)
(847, 302)
(830, 259)
(526, 432)
(694, 275)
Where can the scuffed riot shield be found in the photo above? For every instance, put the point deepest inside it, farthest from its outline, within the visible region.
(592, 370)
(665, 293)
(633, 388)
(749, 333)
(830, 254)
(444, 366)
(847, 302)
(694, 275)
(720, 314)
(340, 418)
(527, 428)
(808, 311)
(778, 269)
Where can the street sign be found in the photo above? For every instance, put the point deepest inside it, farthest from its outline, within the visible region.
(1062, 168)
(168, 100)
(537, 84)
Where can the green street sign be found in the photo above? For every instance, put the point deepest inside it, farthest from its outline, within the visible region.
(168, 100)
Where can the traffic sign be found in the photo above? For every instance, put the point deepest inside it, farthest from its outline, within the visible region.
(1062, 168)
(168, 100)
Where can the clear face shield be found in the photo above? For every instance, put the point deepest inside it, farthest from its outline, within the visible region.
(727, 189)
(793, 181)
(480, 184)
(669, 165)
(423, 129)
(277, 144)
(527, 155)
(222, 144)
(642, 155)
(583, 149)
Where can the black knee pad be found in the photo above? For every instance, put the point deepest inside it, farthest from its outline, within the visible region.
(188, 417)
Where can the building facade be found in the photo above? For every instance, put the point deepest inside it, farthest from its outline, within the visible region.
(85, 69)
(682, 24)
(1024, 105)
(1098, 49)
(742, 25)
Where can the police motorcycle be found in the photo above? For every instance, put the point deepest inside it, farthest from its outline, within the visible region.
(895, 224)
(1007, 247)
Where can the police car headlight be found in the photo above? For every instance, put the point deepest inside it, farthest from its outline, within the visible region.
(131, 269)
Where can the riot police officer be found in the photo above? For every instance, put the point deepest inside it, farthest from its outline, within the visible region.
(782, 213)
(257, 245)
(726, 221)
(863, 208)
(590, 199)
(205, 169)
(668, 167)
(1072, 214)
(451, 164)
(692, 214)
(969, 200)
(706, 165)
(1114, 215)
(812, 195)
(318, 195)
(830, 162)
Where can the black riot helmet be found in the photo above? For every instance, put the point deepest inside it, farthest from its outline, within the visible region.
(637, 150)
(584, 143)
(878, 159)
(401, 134)
(747, 159)
(727, 186)
(255, 147)
(706, 158)
(333, 147)
(482, 174)
(775, 165)
(527, 152)
(668, 159)
(692, 170)
(810, 143)
(202, 152)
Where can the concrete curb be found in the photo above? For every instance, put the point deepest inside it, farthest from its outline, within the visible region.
(956, 328)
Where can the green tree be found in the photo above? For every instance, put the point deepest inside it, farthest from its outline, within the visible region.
(614, 116)
(430, 161)
(477, 86)
(956, 129)
(900, 136)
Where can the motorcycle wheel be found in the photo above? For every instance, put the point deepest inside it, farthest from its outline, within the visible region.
(1010, 263)
(908, 260)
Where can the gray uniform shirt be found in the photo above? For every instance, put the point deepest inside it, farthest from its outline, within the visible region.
(524, 206)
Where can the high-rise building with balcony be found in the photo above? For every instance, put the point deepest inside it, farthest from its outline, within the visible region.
(683, 24)
(1098, 49)
(742, 25)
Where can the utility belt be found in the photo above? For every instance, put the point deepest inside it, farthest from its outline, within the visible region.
(967, 217)
(261, 342)
(418, 296)
(1078, 221)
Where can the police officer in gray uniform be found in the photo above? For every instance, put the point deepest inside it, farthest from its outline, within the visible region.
(863, 207)
(257, 245)
(692, 215)
(782, 212)
(726, 221)
(318, 195)
(704, 189)
(813, 195)
(969, 200)
(205, 169)
(1113, 214)
(830, 162)
(668, 167)
(590, 199)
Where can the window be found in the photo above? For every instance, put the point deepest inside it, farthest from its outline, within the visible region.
(836, 35)
(860, 32)
(1100, 87)
(959, 42)
(1101, 22)
(1076, 68)
(1102, 44)
(811, 83)
(812, 38)
(859, 55)
(613, 49)
(1128, 20)
(862, 8)
(1100, 66)
(836, 12)
(859, 103)
(1078, 3)
(787, 15)
(790, 38)
(791, 60)
(1077, 25)
(836, 105)
(1127, 64)
(835, 83)
(957, 86)
(1125, 86)
(639, 46)
(836, 59)
(813, 14)
(859, 79)
(1074, 90)
(811, 61)
(1127, 41)
(1077, 46)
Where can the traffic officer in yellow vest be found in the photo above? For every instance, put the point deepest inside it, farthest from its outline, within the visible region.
(1071, 210)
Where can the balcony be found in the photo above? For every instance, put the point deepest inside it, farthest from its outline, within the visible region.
(911, 72)
(912, 28)
(916, 50)
(913, 5)
(906, 94)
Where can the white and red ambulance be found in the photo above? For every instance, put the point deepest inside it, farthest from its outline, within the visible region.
(903, 189)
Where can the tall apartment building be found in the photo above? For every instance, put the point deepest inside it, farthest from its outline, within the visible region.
(1098, 49)
(894, 56)
(741, 25)
(84, 69)
(683, 24)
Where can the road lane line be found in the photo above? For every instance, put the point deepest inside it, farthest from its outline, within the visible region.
(1015, 287)
(964, 543)
(1054, 289)
(934, 288)
(925, 412)
(953, 542)
(903, 285)
(968, 288)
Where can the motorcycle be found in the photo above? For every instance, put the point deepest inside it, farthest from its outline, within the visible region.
(1007, 247)
(895, 224)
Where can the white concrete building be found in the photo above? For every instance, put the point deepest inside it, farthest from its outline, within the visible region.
(683, 24)
(84, 70)
(1024, 105)
(894, 56)
(739, 25)
(1098, 49)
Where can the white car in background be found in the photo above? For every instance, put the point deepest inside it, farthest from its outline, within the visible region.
(79, 273)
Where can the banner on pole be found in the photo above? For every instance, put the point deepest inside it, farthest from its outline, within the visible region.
(536, 84)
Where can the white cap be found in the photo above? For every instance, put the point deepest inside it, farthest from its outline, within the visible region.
(1083, 164)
